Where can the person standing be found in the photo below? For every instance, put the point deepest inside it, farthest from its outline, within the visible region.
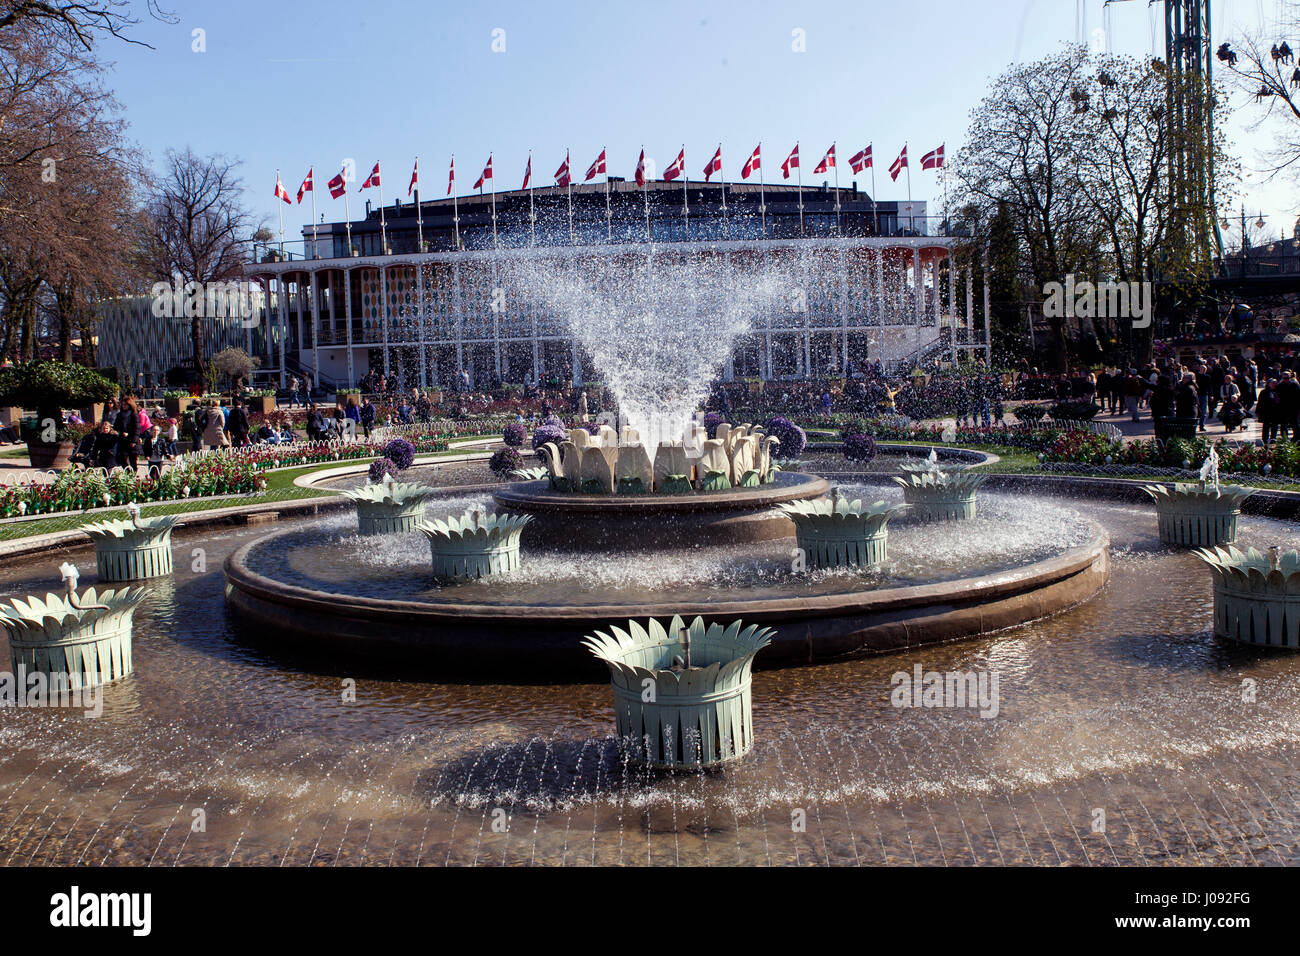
(1268, 409)
(126, 425)
(366, 416)
(1288, 389)
(214, 429)
(237, 424)
(293, 390)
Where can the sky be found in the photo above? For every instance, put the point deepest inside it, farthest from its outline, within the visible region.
(291, 84)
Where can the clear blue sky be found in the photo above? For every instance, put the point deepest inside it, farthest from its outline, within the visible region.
(293, 84)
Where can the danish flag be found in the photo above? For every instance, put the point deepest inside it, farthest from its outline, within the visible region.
(677, 166)
(372, 179)
(415, 177)
(899, 165)
(338, 185)
(640, 169)
(528, 172)
(562, 174)
(752, 163)
(306, 186)
(485, 175)
(714, 165)
(932, 160)
(597, 167)
(860, 161)
(791, 162)
(280, 191)
(828, 161)
(451, 176)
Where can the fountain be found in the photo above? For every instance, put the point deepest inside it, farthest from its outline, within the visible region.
(1202, 514)
(833, 533)
(85, 638)
(133, 549)
(939, 492)
(647, 491)
(1256, 596)
(388, 506)
(475, 544)
(682, 693)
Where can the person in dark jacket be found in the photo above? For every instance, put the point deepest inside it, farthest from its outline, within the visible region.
(237, 423)
(315, 423)
(1187, 399)
(1268, 408)
(1288, 389)
(366, 416)
(103, 454)
(126, 425)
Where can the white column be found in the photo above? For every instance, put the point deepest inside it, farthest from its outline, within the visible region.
(988, 326)
(952, 303)
(299, 300)
(970, 304)
(918, 299)
(315, 330)
(283, 324)
(383, 313)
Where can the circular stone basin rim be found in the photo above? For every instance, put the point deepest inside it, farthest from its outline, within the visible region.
(955, 591)
(536, 496)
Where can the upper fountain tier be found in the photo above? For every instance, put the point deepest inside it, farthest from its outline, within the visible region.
(606, 463)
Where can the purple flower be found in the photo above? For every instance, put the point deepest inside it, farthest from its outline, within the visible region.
(504, 461)
(549, 432)
(381, 467)
(791, 437)
(515, 434)
(859, 447)
(401, 452)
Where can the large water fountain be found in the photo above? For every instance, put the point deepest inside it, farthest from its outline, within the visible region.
(652, 489)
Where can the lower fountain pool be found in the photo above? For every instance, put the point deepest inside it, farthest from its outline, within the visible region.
(1126, 704)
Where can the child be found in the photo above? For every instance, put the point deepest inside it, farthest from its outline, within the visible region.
(155, 444)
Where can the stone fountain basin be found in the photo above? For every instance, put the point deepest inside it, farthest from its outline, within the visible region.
(527, 640)
(599, 522)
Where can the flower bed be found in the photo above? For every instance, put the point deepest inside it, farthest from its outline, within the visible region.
(1281, 460)
(80, 490)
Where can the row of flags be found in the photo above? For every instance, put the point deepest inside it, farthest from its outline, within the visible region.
(858, 162)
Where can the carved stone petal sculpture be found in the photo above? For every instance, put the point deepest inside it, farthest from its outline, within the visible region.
(669, 460)
(571, 462)
(713, 462)
(634, 462)
(597, 470)
(580, 437)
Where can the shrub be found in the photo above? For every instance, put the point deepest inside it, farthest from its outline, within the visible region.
(791, 437)
(381, 468)
(401, 452)
(49, 387)
(549, 432)
(515, 434)
(505, 461)
(860, 448)
(1031, 414)
(1073, 411)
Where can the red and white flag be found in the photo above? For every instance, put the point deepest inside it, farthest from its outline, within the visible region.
(451, 176)
(828, 161)
(791, 162)
(933, 160)
(528, 173)
(280, 191)
(562, 174)
(676, 167)
(372, 179)
(714, 165)
(338, 185)
(597, 167)
(306, 186)
(752, 163)
(900, 164)
(640, 169)
(860, 161)
(415, 178)
(485, 175)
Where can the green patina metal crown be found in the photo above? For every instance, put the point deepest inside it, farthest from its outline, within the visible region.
(826, 514)
(34, 619)
(941, 482)
(530, 474)
(1252, 568)
(86, 637)
(475, 526)
(390, 493)
(647, 652)
(122, 528)
(1200, 493)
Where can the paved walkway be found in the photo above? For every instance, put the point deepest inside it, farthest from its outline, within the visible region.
(1144, 429)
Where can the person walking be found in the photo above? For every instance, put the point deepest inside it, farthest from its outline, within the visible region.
(1268, 409)
(1288, 389)
(126, 425)
(366, 416)
(214, 429)
(237, 424)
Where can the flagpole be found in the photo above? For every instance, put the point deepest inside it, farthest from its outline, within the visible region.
(645, 193)
(495, 243)
(532, 216)
(686, 202)
(347, 215)
(838, 227)
(722, 185)
(568, 187)
(800, 181)
(911, 212)
(280, 207)
(875, 219)
(419, 213)
(455, 209)
(762, 203)
(609, 223)
(314, 246)
(383, 226)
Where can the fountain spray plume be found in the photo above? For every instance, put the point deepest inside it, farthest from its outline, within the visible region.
(658, 324)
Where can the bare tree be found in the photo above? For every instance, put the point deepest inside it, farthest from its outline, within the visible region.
(195, 226)
(78, 24)
(1265, 68)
